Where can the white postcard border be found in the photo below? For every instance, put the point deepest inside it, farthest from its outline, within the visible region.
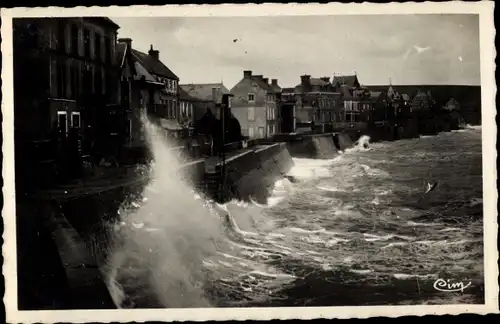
(488, 53)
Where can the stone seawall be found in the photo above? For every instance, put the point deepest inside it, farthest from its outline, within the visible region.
(316, 146)
(252, 174)
(414, 127)
(344, 140)
(46, 280)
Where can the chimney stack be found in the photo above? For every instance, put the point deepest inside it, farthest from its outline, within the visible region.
(216, 95)
(266, 80)
(247, 74)
(274, 82)
(127, 41)
(154, 53)
(305, 81)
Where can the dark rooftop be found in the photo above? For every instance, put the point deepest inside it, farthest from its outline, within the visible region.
(203, 91)
(153, 65)
(349, 80)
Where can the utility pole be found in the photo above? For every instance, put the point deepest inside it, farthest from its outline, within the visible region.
(223, 150)
(225, 109)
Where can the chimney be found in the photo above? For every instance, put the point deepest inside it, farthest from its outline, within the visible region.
(266, 80)
(305, 81)
(258, 76)
(127, 41)
(154, 53)
(215, 94)
(247, 74)
(274, 82)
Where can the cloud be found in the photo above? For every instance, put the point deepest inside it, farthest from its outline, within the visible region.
(376, 46)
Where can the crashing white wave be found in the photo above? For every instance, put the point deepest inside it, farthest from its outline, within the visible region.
(362, 144)
(473, 127)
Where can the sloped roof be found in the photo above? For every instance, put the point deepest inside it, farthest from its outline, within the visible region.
(261, 83)
(318, 81)
(120, 50)
(276, 88)
(153, 65)
(142, 73)
(441, 93)
(346, 94)
(348, 80)
(111, 22)
(203, 92)
(314, 82)
(183, 95)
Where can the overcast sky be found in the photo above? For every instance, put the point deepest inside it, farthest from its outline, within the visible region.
(409, 49)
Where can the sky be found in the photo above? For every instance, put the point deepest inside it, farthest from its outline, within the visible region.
(402, 49)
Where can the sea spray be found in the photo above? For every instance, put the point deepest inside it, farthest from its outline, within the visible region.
(163, 257)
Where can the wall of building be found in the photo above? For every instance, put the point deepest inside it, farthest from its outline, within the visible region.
(240, 106)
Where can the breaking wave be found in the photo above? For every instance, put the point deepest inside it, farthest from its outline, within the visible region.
(353, 230)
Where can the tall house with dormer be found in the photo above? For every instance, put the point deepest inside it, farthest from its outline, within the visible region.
(148, 86)
(254, 104)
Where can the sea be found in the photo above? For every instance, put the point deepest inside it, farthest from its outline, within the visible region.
(357, 229)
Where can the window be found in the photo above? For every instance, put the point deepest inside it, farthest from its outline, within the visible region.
(107, 50)
(62, 121)
(98, 81)
(61, 79)
(74, 40)
(251, 98)
(98, 50)
(86, 43)
(61, 36)
(75, 119)
(130, 129)
(251, 113)
(250, 132)
(73, 81)
(105, 90)
(261, 132)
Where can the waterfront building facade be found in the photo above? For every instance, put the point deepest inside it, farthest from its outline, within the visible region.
(316, 102)
(66, 82)
(186, 109)
(255, 106)
(205, 97)
(139, 88)
(355, 107)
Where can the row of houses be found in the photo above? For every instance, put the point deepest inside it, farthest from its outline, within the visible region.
(74, 78)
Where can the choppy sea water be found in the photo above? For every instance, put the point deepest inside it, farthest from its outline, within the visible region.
(354, 230)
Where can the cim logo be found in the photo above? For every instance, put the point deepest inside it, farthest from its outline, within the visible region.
(450, 286)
